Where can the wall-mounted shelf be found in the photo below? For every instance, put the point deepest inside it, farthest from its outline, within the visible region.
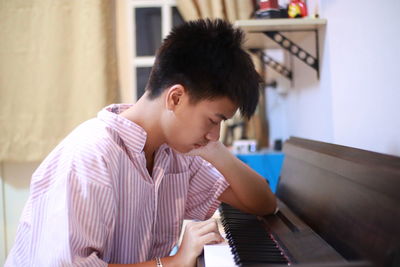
(262, 25)
(257, 29)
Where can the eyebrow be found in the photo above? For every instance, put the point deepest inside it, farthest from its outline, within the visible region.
(221, 116)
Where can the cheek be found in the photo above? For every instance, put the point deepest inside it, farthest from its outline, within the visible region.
(198, 129)
(192, 124)
(177, 133)
(187, 128)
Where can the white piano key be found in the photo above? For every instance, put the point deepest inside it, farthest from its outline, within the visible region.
(218, 255)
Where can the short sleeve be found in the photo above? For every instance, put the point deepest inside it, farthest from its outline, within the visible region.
(72, 224)
(205, 186)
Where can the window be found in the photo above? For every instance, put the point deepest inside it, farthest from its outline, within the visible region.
(150, 22)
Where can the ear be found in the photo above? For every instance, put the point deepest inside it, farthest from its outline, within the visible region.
(174, 96)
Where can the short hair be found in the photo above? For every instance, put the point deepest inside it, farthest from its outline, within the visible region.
(207, 58)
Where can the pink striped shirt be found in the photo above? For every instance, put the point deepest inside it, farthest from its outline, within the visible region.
(93, 202)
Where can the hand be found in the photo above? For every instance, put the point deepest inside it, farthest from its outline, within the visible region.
(212, 150)
(196, 235)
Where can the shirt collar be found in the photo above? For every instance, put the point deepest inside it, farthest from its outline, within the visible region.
(133, 135)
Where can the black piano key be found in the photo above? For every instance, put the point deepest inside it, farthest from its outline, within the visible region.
(263, 258)
(249, 236)
(256, 249)
(250, 243)
(259, 258)
(257, 261)
(260, 246)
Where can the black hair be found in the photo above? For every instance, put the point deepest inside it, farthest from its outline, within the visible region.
(207, 58)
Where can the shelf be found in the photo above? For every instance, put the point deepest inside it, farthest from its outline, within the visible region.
(267, 33)
(263, 25)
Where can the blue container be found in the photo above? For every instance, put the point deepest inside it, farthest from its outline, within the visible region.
(266, 163)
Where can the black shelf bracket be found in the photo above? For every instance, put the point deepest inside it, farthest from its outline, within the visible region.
(273, 64)
(278, 67)
(296, 50)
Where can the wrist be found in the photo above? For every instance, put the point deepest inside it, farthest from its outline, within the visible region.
(216, 151)
(182, 260)
(220, 157)
(158, 262)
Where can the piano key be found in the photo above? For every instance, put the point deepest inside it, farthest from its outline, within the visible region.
(250, 243)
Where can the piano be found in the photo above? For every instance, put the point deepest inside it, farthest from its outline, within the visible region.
(338, 206)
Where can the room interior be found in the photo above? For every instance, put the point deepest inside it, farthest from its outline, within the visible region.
(61, 62)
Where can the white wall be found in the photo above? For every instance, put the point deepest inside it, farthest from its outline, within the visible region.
(357, 100)
(14, 179)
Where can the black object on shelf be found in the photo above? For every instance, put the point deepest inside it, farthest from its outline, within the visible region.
(278, 145)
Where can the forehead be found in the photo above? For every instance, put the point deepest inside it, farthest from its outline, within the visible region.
(223, 106)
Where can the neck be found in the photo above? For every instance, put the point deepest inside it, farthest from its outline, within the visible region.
(146, 113)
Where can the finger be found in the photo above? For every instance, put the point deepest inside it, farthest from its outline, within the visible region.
(216, 242)
(210, 238)
(211, 226)
(194, 226)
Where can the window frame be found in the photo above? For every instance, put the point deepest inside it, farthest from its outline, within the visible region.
(166, 26)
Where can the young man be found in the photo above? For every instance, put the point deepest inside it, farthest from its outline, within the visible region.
(115, 191)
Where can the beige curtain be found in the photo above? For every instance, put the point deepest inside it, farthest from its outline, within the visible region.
(232, 10)
(57, 69)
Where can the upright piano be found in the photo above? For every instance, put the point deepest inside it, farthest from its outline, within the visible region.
(338, 206)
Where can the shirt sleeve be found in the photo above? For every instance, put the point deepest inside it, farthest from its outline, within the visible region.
(205, 186)
(68, 225)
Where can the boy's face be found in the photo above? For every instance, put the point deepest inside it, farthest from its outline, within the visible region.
(189, 126)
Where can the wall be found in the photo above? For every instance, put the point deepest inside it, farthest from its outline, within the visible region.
(14, 182)
(356, 101)
(367, 117)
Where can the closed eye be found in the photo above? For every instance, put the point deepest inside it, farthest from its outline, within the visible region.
(213, 122)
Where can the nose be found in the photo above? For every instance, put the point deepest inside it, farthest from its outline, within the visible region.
(213, 134)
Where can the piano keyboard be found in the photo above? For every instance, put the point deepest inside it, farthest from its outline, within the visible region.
(249, 241)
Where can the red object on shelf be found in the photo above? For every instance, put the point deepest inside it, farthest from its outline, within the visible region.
(269, 4)
(297, 9)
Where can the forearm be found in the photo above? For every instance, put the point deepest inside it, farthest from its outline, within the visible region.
(166, 262)
(195, 236)
(251, 189)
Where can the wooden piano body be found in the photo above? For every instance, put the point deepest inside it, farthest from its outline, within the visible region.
(349, 197)
(339, 206)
